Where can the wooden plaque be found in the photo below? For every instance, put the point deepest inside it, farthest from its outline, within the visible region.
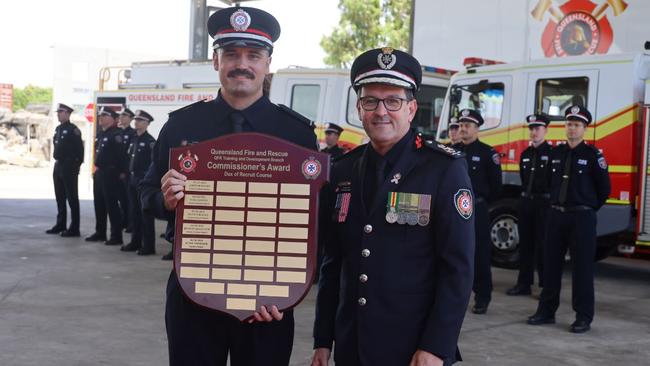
(246, 230)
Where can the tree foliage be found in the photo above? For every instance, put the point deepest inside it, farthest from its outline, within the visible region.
(367, 24)
(30, 95)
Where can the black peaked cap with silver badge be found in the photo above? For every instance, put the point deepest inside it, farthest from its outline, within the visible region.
(386, 66)
(140, 114)
(578, 113)
(64, 108)
(470, 115)
(107, 111)
(243, 27)
(538, 120)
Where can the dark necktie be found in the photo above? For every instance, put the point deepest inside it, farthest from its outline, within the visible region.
(531, 177)
(238, 121)
(566, 174)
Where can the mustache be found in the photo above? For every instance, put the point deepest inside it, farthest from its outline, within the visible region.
(240, 72)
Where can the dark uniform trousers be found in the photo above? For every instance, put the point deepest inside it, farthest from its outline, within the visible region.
(142, 222)
(388, 288)
(535, 174)
(579, 186)
(110, 161)
(533, 217)
(123, 196)
(196, 335)
(484, 170)
(69, 154)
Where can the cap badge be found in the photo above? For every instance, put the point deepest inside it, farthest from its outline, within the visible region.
(386, 60)
(575, 110)
(465, 112)
(531, 118)
(240, 20)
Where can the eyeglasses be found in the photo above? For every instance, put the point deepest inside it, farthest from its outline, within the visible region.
(391, 104)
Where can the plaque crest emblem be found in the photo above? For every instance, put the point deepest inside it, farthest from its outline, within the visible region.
(463, 203)
(246, 233)
(577, 27)
(386, 59)
(240, 20)
(188, 162)
(311, 168)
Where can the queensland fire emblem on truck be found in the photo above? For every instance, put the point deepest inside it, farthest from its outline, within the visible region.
(577, 27)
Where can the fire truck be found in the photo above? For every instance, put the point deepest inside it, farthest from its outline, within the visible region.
(322, 95)
(615, 88)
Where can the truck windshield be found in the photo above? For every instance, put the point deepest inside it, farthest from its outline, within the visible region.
(483, 96)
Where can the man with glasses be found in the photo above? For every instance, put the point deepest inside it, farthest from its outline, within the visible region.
(398, 232)
(485, 171)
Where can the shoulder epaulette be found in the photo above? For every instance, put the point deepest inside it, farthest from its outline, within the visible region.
(297, 116)
(189, 106)
(443, 149)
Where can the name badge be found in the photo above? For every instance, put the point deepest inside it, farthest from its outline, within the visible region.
(544, 157)
(556, 161)
(582, 162)
(142, 144)
(476, 158)
(525, 160)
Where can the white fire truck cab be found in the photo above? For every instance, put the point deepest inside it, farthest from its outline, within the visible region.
(615, 89)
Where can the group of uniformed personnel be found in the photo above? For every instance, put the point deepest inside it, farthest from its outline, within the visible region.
(122, 156)
(405, 225)
(561, 190)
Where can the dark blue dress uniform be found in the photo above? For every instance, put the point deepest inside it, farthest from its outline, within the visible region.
(110, 161)
(140, 153)
(579, 187)
(68, 155)
(198, 336)
(535, 174)
(128, 134)
(398, 236)
(484, 169)
(388, 289)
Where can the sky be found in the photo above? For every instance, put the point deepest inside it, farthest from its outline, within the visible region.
(29, 29)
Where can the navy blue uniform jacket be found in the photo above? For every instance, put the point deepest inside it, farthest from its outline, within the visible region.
(417, 278)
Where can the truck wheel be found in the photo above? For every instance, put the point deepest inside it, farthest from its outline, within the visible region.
(504, 234)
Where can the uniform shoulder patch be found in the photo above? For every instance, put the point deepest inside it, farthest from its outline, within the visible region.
(295, 115)
(443, 149)
(464, 203)
(189, 107)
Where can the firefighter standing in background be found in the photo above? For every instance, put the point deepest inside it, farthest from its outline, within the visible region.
(68, 155)
(454, 131)
(128, 134)
(535, 173)
(110, 164)
(332, 134)
(484, 168)
(579, 187)
(143, 239)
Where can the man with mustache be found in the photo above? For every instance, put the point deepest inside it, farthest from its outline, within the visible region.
(398, 233)
(243, 43)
